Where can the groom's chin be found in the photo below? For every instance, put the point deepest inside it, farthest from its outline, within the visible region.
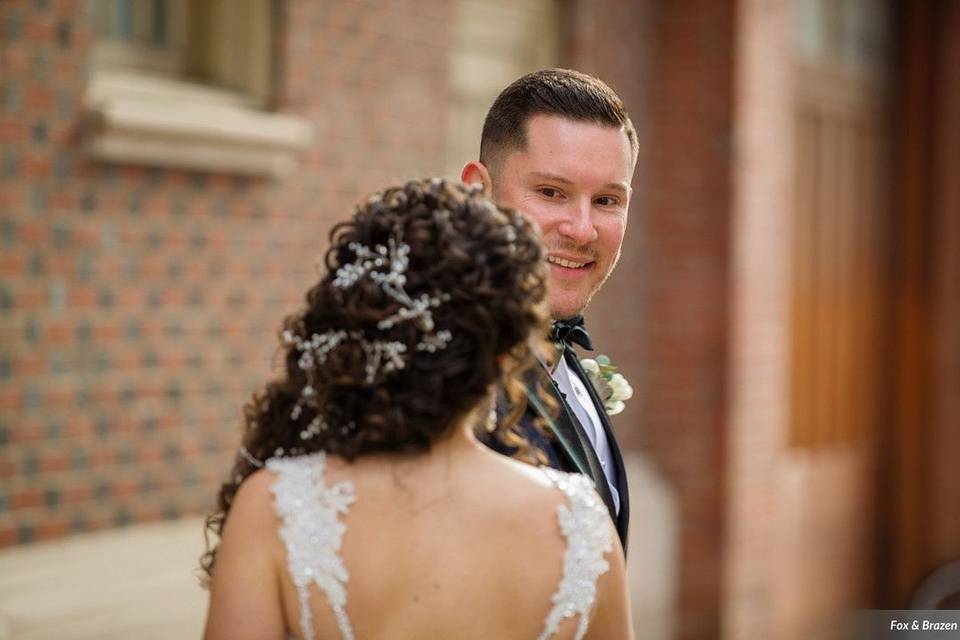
(566, 306)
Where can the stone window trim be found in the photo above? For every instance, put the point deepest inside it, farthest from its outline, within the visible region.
(137, 118)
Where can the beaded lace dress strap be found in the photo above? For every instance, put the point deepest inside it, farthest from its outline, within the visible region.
(312, 532)
(585, 525)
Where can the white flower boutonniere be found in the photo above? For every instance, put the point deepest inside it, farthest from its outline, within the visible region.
(611, 386)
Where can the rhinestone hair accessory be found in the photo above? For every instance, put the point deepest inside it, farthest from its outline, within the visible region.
(244, 453)
(386, 265)
(249, 457)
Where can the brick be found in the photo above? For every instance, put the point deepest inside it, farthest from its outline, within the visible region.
(26, 499)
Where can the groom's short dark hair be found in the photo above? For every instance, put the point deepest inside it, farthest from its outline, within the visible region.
(562, 92)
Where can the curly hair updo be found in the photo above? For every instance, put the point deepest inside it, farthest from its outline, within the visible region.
(483, 267)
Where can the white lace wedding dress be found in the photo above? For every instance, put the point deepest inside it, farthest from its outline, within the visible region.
(312, 531)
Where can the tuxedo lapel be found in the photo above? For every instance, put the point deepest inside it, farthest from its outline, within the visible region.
(623, 518)
(570, 449)
(573, 440)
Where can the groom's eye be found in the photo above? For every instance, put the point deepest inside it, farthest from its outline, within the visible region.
(549, 192)
(607, 201)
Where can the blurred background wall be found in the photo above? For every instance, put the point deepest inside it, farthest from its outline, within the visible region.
(787, 306)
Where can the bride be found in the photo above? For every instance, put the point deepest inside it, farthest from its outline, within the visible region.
(362, 505)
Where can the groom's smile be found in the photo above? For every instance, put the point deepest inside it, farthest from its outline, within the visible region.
(562, 266)
(568, 263)
(573, 179)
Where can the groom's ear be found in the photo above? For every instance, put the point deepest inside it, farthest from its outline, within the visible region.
(476, 173)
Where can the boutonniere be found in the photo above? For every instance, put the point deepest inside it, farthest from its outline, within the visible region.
(611, 386)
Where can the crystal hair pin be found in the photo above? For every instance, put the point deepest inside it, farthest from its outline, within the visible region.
(387, 266)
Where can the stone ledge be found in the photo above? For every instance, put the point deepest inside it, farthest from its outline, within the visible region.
(156, 121)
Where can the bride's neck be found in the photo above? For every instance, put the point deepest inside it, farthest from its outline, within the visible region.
(459, 439)
(448, 453)
(429, 477)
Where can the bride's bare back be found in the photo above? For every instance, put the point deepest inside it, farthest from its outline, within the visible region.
(456, 543)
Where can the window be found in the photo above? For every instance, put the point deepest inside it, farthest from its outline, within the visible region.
(185, 84)
(149, 35)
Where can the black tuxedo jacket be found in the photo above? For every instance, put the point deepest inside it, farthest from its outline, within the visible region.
(565, 443)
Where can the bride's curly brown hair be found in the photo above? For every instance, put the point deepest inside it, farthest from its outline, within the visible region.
(487, 265)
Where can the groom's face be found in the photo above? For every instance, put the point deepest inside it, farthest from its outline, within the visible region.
(573, 179)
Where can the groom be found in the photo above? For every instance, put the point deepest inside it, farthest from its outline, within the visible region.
(559, 146)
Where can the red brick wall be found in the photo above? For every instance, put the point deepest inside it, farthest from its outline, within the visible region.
(759, 339)
(663, 315)
(138, 307)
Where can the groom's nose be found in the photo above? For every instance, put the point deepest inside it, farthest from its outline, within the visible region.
(577, 223)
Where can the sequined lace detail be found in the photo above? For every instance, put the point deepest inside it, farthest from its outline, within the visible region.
(313, 533)
(585, 525)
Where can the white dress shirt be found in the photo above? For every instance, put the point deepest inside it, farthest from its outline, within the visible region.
(578, 397)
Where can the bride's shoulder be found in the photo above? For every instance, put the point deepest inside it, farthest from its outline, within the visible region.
(577, 488)
(256, 493)
(251, 508)
(545, 479)
(539, 489)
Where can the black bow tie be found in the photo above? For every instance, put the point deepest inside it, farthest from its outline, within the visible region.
(571, 331)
